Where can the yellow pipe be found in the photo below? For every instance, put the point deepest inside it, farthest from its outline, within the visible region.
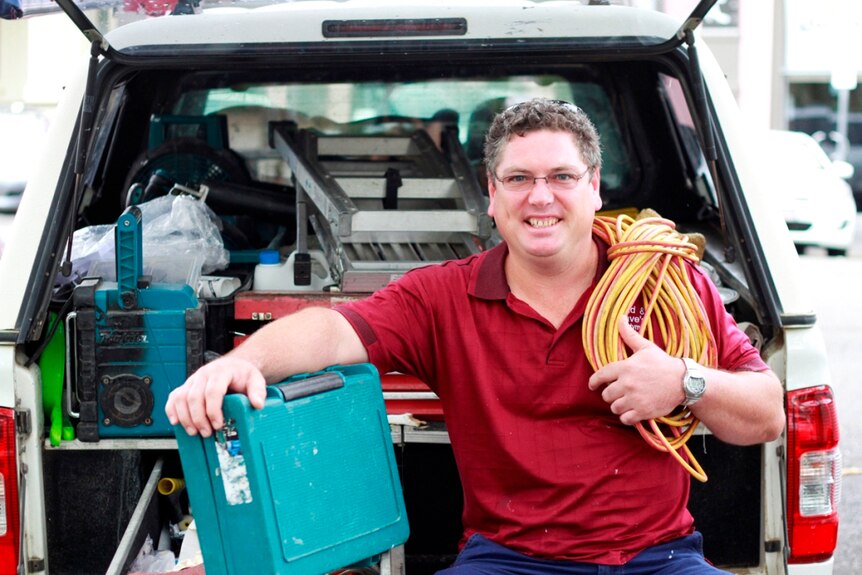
(170, 485)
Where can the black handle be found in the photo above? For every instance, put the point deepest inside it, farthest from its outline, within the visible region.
(310, 386)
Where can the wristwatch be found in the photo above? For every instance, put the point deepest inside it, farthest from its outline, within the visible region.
(693, 382)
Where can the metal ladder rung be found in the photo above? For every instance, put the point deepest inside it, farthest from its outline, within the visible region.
(411, 188)
(364, 146)
(413, 221)
(368, 168)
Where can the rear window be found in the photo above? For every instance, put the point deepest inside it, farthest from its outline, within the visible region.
(399, 107)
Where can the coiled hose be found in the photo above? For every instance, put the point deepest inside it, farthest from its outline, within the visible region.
(647, 265)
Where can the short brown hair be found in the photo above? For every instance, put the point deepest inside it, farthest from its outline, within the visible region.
(542, 114)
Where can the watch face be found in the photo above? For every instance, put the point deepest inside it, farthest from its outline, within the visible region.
(695, 385)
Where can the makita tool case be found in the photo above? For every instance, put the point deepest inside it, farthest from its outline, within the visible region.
(134, 341)
(304, 486)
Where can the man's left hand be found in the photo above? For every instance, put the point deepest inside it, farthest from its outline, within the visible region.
(645, 385)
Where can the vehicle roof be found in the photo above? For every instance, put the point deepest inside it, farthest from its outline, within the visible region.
(303, 21)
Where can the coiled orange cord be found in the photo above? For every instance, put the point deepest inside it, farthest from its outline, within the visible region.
(647, 264)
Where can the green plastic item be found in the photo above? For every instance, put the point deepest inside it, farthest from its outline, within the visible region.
(53, 367)
(244, 256)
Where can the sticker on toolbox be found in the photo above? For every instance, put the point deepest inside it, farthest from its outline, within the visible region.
(232, 464)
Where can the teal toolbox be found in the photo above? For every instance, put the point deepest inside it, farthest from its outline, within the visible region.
(304, 486)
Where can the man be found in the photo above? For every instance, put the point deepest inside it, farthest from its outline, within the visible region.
(556, 479)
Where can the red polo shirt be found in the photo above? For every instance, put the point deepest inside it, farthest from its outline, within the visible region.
(546, 468)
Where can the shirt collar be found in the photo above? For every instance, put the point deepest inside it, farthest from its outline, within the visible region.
(489, 278)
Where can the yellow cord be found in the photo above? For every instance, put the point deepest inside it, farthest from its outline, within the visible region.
(647, 264)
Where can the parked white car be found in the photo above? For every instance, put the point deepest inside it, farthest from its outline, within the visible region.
(818, 202)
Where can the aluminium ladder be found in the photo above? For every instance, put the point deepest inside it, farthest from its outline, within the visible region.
(384, 204)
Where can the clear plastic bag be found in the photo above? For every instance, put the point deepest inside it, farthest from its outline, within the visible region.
(150, 560)
(175, 225)
(181, 240)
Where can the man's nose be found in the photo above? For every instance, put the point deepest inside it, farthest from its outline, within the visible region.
(541, 193)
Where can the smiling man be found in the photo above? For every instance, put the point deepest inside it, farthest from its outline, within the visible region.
(556, 479)
(544, 195)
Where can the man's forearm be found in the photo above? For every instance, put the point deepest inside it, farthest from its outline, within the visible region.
(742, 408)
(306, 341)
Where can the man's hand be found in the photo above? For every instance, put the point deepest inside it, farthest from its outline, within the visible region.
(646, 385)
(197, 404)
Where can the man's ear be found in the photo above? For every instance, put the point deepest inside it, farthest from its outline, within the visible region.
(595, 189)
(492, 192)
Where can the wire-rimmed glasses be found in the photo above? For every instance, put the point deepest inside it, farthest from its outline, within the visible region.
(557, 181)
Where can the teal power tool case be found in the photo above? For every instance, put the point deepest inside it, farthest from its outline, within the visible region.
(304, 486)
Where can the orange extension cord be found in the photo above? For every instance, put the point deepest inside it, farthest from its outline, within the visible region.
(647, 264)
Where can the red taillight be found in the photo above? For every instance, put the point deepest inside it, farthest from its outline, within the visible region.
(9, 524)
(813, 474)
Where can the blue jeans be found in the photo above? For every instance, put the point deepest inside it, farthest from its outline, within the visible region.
(682, 556)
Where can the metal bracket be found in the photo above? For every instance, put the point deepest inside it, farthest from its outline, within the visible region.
(23, 422)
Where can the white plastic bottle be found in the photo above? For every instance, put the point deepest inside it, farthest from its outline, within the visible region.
(272, 274)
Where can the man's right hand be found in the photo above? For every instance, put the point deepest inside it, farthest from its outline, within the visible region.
(197, 404)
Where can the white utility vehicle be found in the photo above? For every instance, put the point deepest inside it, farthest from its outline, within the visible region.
(348, 135)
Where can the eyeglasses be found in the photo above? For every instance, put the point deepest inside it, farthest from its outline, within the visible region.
(558, 182)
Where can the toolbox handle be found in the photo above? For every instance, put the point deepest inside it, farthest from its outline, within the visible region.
(310, 386)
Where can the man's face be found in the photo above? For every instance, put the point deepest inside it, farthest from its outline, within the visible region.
(544, 221)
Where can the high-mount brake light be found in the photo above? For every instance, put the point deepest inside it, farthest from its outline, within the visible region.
(390, 28)
(9, 525)
(813, 474)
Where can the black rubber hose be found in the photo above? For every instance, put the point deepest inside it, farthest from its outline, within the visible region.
(268, 202)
